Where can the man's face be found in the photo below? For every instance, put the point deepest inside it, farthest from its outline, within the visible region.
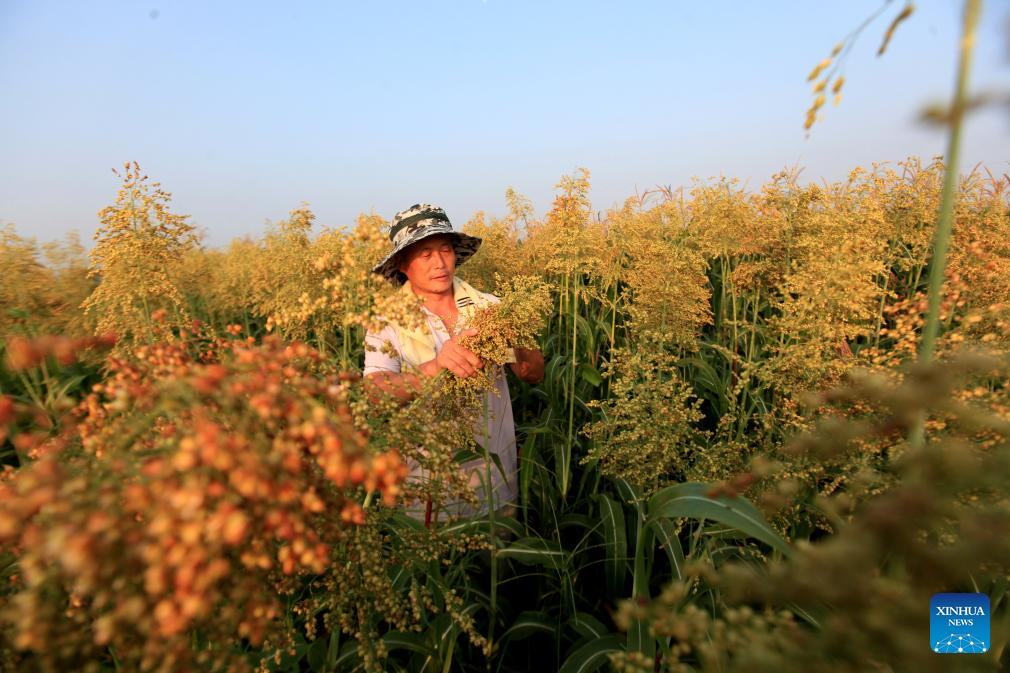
(430, 264)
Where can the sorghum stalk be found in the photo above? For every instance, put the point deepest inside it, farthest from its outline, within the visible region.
(941, 237)
(567, 456)
(489, 492)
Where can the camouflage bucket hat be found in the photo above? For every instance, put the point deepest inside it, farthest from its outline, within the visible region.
(414, 224)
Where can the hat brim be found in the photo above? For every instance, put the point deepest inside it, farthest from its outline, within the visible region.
(464, 245)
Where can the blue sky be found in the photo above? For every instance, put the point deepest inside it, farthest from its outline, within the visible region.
(245, 109)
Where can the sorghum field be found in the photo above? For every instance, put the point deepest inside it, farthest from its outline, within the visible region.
(736, 461)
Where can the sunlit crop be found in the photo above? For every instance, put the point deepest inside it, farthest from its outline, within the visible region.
(196, 477)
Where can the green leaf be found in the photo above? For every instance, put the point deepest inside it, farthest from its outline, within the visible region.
(535, 551)
(348, 656)
(529, 623)
(666, 534)
(333, 650)
(588, 626)
(70, 384)
(590, 375)
(399, 640)
(615, 540)
(689, 501)
(527, 460)
(638, 635)
(466, 455)
(998, 591)
(399, 577)
(554, 378)
(643, 561)
(496, 459)
(585, 343)
(317, 655)
(639, 639)
(481, 527)
(591, 656)
(576, 520)
(514, 527)
(399, 519)
(707, 381)
(464, 527)
(629, 493)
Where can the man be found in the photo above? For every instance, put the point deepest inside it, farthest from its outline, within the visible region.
(426, 252)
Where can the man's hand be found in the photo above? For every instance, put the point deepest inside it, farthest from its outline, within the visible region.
(401, 386)
(459, 360)
(529, 365)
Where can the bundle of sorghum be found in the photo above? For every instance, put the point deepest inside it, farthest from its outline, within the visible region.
(514, 322)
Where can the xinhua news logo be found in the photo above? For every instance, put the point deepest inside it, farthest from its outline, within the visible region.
(959, 623)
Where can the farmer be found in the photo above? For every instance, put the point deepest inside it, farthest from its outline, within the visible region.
(426, 252)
